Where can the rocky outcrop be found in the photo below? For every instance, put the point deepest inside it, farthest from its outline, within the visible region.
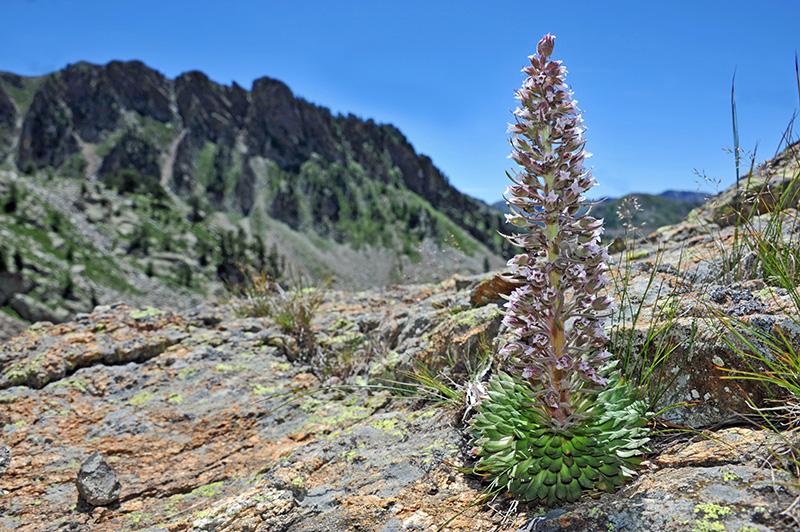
(209, 427)
(132, 165)
(12, 283)
(32, 310)
(770, 184)
(52, 357)
(47, 137)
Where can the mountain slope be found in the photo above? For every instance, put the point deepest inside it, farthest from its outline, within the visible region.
(649, 212)
(118, 183)
(654, 210)
(262, 150)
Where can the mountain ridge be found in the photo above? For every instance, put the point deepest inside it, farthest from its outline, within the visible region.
(178, 187)
(82, 107)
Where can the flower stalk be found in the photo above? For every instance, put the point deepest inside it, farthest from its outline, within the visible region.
(556, 318)
(562, 421)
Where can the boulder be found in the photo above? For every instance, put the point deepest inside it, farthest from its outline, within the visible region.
(493, 289)
(9, 327)
(11, 284)
(32, 310)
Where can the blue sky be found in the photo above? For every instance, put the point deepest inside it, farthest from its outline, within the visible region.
(653, 78)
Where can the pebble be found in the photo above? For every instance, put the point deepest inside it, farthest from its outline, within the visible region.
(97, 482)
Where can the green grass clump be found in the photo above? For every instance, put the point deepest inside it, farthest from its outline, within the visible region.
(292, 311)
(644, 343)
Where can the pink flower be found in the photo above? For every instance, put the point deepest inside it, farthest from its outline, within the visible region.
(564, 362)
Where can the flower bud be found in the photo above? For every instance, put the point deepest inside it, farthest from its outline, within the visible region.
(545, 46)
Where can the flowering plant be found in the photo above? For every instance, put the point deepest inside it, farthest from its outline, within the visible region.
(564, 421)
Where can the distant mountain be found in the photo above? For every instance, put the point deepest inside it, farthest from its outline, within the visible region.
(685, 195)
(119, 180)
(655, 210)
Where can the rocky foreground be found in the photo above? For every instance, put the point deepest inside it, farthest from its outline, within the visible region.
(208, 426)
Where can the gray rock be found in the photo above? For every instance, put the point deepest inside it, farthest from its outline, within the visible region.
(12, 283)
(32, 310)
(9, 327)
(97, 482)
(5, 459)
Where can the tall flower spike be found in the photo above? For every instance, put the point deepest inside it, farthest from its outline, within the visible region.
(563, 421)
(556, 319)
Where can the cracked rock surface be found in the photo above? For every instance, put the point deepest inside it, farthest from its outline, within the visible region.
(209, 427)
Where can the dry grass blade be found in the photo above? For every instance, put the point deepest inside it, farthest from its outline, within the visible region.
(735, 121)
(797, 75)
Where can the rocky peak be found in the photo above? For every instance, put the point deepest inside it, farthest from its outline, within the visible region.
(47, 137)
(141, 89)
(8, 112)
(210, 111)
(275, 124)
(235, 149)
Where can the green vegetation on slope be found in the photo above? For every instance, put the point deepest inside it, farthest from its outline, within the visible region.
(644, 212)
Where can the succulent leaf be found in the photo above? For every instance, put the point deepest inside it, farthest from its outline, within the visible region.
(553, 467)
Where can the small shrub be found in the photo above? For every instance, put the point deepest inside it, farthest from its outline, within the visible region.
(131, 181)
(68, 288)
(19, 262)
(11, 201)
(292, 311)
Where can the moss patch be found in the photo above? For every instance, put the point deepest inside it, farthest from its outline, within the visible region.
(209, 490)
(711, 516)
(141, 398)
